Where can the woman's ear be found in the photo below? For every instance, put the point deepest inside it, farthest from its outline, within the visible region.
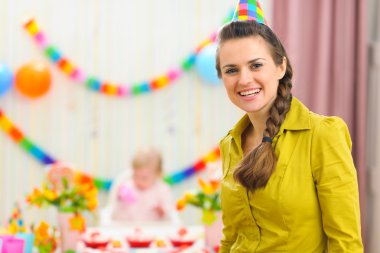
(282, 68)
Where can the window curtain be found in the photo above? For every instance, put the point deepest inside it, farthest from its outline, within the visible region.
(326, 41)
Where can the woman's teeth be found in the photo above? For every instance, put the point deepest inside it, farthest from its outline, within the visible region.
(250, 92)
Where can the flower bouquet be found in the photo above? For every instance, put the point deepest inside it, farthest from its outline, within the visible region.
(71, 193)
(207, 199)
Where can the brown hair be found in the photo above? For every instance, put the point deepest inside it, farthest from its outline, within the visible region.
(255, 169)
(147, 156)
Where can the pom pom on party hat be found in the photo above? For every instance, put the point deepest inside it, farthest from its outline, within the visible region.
(249, 10)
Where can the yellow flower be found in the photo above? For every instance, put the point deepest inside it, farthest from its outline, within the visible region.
(215, 184)
(82, 179)
(91, 193)
(31, 198)
(92, 204)
(189, 196)
(42, 231)
(181, 203)
(206, 187)
(50, 195)
(77, 222)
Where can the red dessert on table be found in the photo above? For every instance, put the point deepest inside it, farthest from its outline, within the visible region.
(95, 240)
(139, 239)
(182, 238)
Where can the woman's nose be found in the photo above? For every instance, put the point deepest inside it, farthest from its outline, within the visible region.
(245, 77)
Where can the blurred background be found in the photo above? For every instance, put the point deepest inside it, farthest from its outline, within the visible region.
(334, 47)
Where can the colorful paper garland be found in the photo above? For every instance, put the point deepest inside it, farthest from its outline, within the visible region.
(102, 184)
(43, 157)
(200, 165)
(18, 137)
(106, 87)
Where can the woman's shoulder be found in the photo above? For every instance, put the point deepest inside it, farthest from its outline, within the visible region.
(329, 130)
(325, 123)
(316, 120)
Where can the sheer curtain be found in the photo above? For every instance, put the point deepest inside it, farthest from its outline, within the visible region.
(327, 44)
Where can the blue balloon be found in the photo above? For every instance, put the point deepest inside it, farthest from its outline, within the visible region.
(205, 64)
(6, 78)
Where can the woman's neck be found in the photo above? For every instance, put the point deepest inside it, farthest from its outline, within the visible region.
(253, 134)
(258, 122)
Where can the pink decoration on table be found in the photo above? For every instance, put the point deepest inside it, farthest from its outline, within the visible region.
(11, 244)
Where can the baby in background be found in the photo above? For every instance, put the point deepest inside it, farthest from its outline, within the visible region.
(145, 197)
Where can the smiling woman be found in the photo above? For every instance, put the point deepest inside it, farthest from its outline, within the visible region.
(238, 70)
(289, 181)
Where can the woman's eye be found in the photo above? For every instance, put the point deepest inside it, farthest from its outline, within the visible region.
(230, 71)
(256, 65)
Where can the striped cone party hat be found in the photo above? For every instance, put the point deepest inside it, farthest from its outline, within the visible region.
(249, 10)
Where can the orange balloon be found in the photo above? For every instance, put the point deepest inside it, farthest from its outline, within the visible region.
(33, 79)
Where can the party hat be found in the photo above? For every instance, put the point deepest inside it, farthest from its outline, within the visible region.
(249, 10)
(16, 222)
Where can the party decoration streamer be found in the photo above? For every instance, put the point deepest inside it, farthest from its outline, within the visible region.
(200, 165)
(102, 184)
(103, 86)
(18, 137)
(43, 157)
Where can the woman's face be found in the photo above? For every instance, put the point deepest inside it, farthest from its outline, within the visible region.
(249, 73)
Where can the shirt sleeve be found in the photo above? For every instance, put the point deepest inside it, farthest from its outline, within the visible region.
(229, 231)
(335, 178)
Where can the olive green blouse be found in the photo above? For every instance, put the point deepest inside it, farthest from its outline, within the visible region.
(310, 203)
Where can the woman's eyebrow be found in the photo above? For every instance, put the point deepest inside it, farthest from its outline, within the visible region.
(250, 62)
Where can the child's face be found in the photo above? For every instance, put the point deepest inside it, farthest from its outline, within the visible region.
(145, 177)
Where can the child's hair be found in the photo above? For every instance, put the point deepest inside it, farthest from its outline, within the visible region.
(147, 156)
